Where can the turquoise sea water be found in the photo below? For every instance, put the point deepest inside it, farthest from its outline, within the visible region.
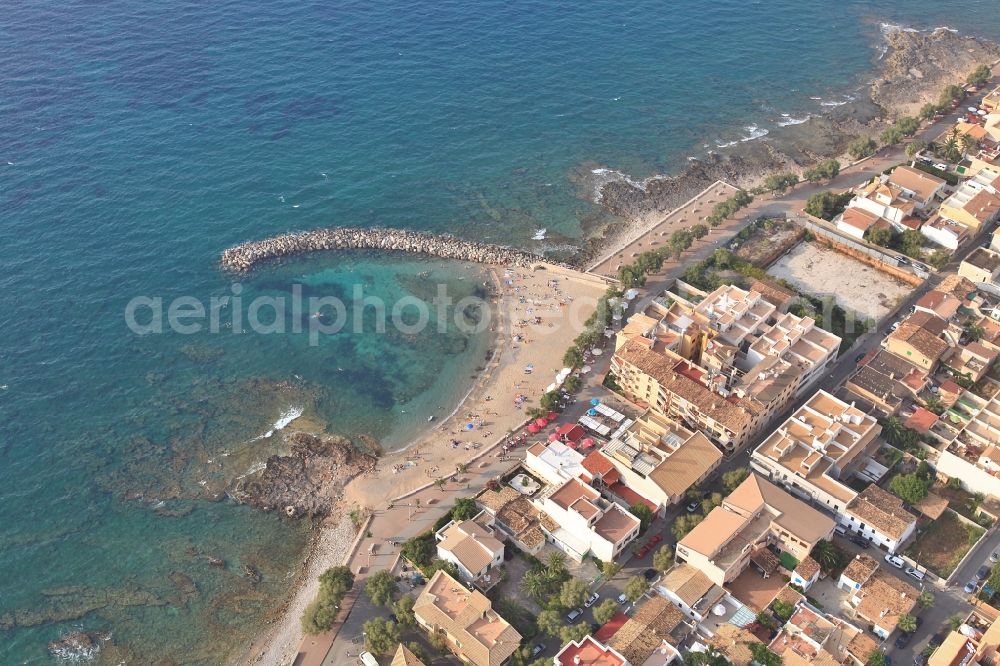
(137, 140)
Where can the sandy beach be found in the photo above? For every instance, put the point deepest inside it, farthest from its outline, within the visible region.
(537, 313)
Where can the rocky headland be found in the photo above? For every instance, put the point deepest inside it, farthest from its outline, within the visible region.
(914, 70)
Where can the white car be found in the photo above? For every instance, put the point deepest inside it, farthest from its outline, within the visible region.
(622, 599)
(938, 165)
(895, 560)
(591, 600)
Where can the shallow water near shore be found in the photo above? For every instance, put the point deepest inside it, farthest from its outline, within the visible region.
(137, 141)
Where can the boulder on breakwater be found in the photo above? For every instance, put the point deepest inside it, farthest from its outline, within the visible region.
(245, 256)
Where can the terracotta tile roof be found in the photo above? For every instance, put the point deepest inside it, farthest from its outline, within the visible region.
(588, 652)
(921, 420)
(807, 568)
(882, 510)
(732, 642)
(687, 465)
(921, 330)
(861, 568)
(687, 582)
(652, 624)
(472, 544)
(859, 218)
(772, 292)
(486, 638)
(884, 598)
(983, 206)
(611, 627)
(788, 595)
(597, 464)
(924, 185)
(861, 646)
(790, 513)
(932, 506)
(404, 657)
(735, 415)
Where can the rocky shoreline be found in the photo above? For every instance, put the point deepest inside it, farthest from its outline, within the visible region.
(914, 70)
(243, 257)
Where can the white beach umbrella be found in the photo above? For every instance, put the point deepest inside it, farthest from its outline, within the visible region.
(596, 352)
(585, 369)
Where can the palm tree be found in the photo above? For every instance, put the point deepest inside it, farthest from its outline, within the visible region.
(926, 599)
(968, 143)
(462, 468)
(439, 483)
(534, 585)
(826, 554)
(907, 623)
(892, 428)
(556, 562)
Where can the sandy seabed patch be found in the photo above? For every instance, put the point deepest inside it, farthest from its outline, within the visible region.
(857, 286)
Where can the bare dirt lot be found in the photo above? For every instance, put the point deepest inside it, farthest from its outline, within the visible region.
(858, 287)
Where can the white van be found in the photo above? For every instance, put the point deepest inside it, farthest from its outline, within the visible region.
(368, 659)
(840, 530)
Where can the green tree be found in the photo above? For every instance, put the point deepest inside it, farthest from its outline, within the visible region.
(876, 658)
(710, 502)
(880, 236)
(783, 609)
(605, 611)
(685, 523)
(928, 111)
(420, 550)
(954, 622)
(419, 651)
(549, 622)
(891, 136)
(909, 487)
(465, 508)
(863, 146)
(827, 204)
(337, 580)
(914, 147)
(763, 655)
(321, 614)
(573, 358)
(974, 330)
(440, 483)
(663, 558)
(381, 588)
(643, 513)
(969, 143)
(574, 632)
(926, 599)
(709, 657)
(907, 623)
(911, 242)
(439, 643)
(319, 617)
(779, 182)
(825, 170)
(381, 635)
(573, 593)
(635, 588)
(951, 93)
(402, 608)
(979, 76)
(699, 231)
(734, 477)
(826, 554)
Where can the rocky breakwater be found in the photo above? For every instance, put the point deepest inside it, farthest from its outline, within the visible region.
(245, 256)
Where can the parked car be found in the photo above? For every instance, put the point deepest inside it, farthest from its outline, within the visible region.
(995, 555)
(984, 572)
(913, 573)
(657, 538)
(692, 507)
(861, 541)
(903, 639)
(650, 574)
(840, 530)
(920, 659)
(895, 560)
(622, 599)
(857, 359)
(903, 261)
(574, 615)
(591, 600)
(538, 649)
(970, 587)
(939, 165)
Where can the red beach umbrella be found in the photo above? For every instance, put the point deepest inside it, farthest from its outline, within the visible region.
(587, 443)
(533, 429)
(552, 416)
(571, 445)
(541, 423)
(553, 436)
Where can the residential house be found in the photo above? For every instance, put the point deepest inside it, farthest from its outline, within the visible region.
(981, 265)
(651, 636)
(976, 202)
(991, 101)
(880, 517)
(405, 657)
(918, 186)
(918, 340)
(734, 643)
(976, 641)
(856, 221)
(554, 462)
(473, 631)
(689, 589)
(885, 200)
(755, 514)
(584, 522)
(972, 360)
(944, 232)
(971, 454)
(806, 573)
(939, 303)
(812, 637)
(516, 517)
(588, 651)
(816, 451)
(877, 597)
(659, 459)
(471, 545)
(887, 381)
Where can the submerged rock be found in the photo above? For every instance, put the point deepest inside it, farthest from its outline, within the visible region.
(79, 646)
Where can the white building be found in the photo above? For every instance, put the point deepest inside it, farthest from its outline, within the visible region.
(587, 523)
(470, 545)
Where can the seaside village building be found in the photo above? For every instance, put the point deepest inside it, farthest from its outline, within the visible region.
(816, 451)
(473, 631)
(723, 362)
(981, 266)
(754, 515)
(472, 546)
(405, 657)
(877, 598)
(973, 453)
(655, 460)
(812, 637)
(975, 202)
(976, 641)
(898, 200)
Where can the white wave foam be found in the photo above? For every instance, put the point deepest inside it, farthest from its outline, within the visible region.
(838, 103)
(284, 419)
(603, 176)
(892, 28)
(754, 133)
(254, 468)
(539, 235)
(789, 120)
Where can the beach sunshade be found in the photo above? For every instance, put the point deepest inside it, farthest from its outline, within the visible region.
(571, 445)
(982, 112)
(541, 423)
(595, 401)
(585, 369)
(973, 109)
(553, 436)
(533, 429)
(552, 416)
(469, 426)
(587, 443)
(591, 412)
(596, 352)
